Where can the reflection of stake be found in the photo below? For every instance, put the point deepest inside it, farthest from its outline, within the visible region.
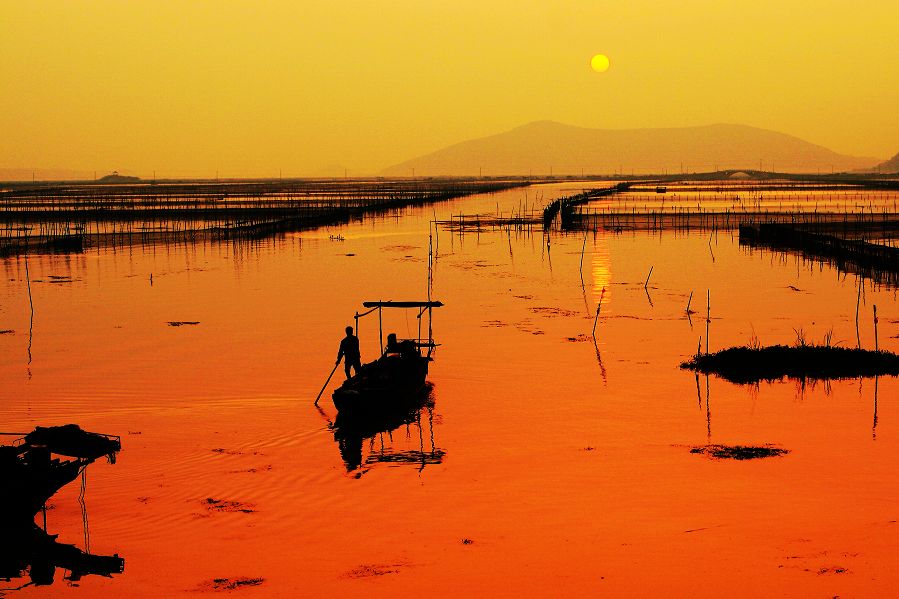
(698, 392)
(30, 302)
(874, 426)
(583, 247)
(84, 520)
(602, 369)
(708, 412)
(858, 339)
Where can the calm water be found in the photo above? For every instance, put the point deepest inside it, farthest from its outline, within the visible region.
(542, 469)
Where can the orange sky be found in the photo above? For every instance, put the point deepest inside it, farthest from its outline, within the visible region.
(252, 88)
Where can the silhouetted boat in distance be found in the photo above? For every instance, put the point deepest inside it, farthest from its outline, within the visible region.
(400, 372)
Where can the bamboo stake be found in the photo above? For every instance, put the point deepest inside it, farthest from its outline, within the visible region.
(876, 346)
(690, 299)
(647, 277)
(708, 319)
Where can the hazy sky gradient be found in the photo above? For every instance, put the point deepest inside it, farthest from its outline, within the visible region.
(251, 88)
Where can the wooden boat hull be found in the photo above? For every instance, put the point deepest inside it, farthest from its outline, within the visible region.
(387, 382)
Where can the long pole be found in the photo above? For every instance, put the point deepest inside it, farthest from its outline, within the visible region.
(317, 397)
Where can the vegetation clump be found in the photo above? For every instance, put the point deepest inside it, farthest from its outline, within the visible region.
(232, 584)
(739, 452)
(750, 364)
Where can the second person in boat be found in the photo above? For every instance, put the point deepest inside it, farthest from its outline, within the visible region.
(402, 348)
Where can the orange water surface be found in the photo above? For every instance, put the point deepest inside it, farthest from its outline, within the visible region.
(547, 466)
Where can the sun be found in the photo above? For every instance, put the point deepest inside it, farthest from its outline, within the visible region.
(600, 63)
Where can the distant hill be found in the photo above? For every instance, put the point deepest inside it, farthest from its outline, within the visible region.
(547, 147)
(890, 166)
(115, 177)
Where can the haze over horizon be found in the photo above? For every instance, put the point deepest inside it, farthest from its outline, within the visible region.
(244, 90)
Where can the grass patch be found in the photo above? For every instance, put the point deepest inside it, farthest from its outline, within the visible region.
(821, 362)
(739, 452)
(231, 584)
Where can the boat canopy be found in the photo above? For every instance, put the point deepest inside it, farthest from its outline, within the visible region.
(423, 307)
(392, 304)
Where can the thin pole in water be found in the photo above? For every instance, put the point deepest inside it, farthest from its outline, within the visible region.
(876, 346)
(598, 306)
(708, 318)
(645, 284)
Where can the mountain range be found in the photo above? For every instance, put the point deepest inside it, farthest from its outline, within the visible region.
(551, 148)
(890, 166)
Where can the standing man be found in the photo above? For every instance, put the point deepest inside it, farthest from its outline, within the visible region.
(349, 347)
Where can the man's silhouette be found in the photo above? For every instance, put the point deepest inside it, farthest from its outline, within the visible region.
(349, 348)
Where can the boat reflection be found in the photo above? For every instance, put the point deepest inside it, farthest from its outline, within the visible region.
(412, 415)
(33, 468)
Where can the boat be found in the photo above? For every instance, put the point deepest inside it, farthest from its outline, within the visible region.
(30, 474)
(397, 376)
